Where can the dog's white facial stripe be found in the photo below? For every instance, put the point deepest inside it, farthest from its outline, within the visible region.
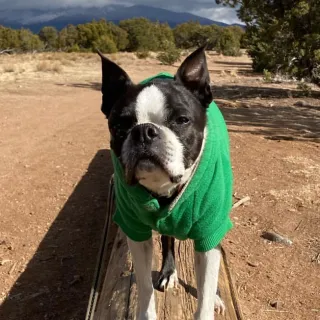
(174, 160)
(150, 106)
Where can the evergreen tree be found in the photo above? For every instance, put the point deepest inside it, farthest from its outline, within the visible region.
(49, 36)
(141, 34)
(282, 35)
(29, 41)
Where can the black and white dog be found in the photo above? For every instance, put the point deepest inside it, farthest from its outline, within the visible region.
(140, 114)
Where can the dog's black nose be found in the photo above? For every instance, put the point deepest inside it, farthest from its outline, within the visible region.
(144, 133)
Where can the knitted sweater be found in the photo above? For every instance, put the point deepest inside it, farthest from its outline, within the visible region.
(201, 210)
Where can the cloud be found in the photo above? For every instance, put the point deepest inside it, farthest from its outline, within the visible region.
(179, 5)
(224, 14)
(204, 8)
(37, 4)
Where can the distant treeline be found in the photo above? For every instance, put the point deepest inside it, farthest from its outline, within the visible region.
(135, 35)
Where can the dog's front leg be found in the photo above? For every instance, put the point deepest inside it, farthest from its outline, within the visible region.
(142, 260)
(207, 272)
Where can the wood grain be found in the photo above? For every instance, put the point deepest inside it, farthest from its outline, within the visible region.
(118, 298)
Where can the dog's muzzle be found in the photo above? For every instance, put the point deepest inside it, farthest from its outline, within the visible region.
(145, 133)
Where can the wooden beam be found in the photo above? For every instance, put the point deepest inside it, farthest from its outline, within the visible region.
(118, 297)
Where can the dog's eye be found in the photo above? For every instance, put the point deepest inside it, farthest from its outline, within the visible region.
(182, 120)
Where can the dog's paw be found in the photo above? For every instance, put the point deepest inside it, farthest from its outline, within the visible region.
(219, 305)
(168, 280)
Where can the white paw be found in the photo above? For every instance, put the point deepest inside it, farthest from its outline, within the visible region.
(219, 305)
(169, 281)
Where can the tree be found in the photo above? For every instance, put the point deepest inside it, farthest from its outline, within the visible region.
(170, 55)
(119, 36)
(188, 35)
(29, 41)
(239, 33)
(282, 35)
(22, 40)
(141, 34)
(228, 44)
(210, 35)
(49, 36)
(164, 36)
(105, 44)
(192, 35)
(68, 37)
(9, 38)
(92, 36)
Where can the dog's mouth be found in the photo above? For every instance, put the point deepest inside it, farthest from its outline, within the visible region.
(147, 164)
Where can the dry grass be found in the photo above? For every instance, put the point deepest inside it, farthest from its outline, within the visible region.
(47, 66)
(67, 63)
(87, 66)
(128, 56)
(309, 191)
(72, 56)
(234, 73)
(9, 68)
(113, 56)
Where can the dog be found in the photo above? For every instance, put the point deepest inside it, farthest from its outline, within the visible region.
(170, 151)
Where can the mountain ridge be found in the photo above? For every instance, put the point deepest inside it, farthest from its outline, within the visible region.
(35, 19)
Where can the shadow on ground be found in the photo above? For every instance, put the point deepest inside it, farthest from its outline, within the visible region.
(234, 63)
(83, 85)
(249, 92)
(279, 123)
(287, 122)
(56, 282)
(275, 123)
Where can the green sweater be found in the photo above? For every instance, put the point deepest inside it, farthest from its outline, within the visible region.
(201, 211)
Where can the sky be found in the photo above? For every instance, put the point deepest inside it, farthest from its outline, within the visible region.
(204, 8)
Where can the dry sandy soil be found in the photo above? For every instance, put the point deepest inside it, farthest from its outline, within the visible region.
(55, 166)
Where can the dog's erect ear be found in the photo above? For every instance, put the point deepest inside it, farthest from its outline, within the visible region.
(194, 75)
(115, 83)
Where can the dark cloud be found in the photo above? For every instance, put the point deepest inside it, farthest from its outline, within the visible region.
(203, 8)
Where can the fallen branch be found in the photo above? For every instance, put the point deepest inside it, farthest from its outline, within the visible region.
(240, 202)
(13, 268)
(6, 51)
(275, 237)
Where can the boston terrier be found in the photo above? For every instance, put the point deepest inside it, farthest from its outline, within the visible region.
(167, 154)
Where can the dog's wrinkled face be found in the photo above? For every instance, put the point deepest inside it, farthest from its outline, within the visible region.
(157, 129)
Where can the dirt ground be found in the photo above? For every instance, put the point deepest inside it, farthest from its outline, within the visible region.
(55, 167)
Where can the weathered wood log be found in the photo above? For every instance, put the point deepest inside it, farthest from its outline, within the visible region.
(7, 51)
(118, 296)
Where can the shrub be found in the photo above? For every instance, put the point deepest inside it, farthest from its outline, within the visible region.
(74, 48)
(142, 54)
(228, 44)
(105, 44)
(282, 35)
(170, 55)
(45, 66)
(267, 76)
(9, 68)
(305, 88)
